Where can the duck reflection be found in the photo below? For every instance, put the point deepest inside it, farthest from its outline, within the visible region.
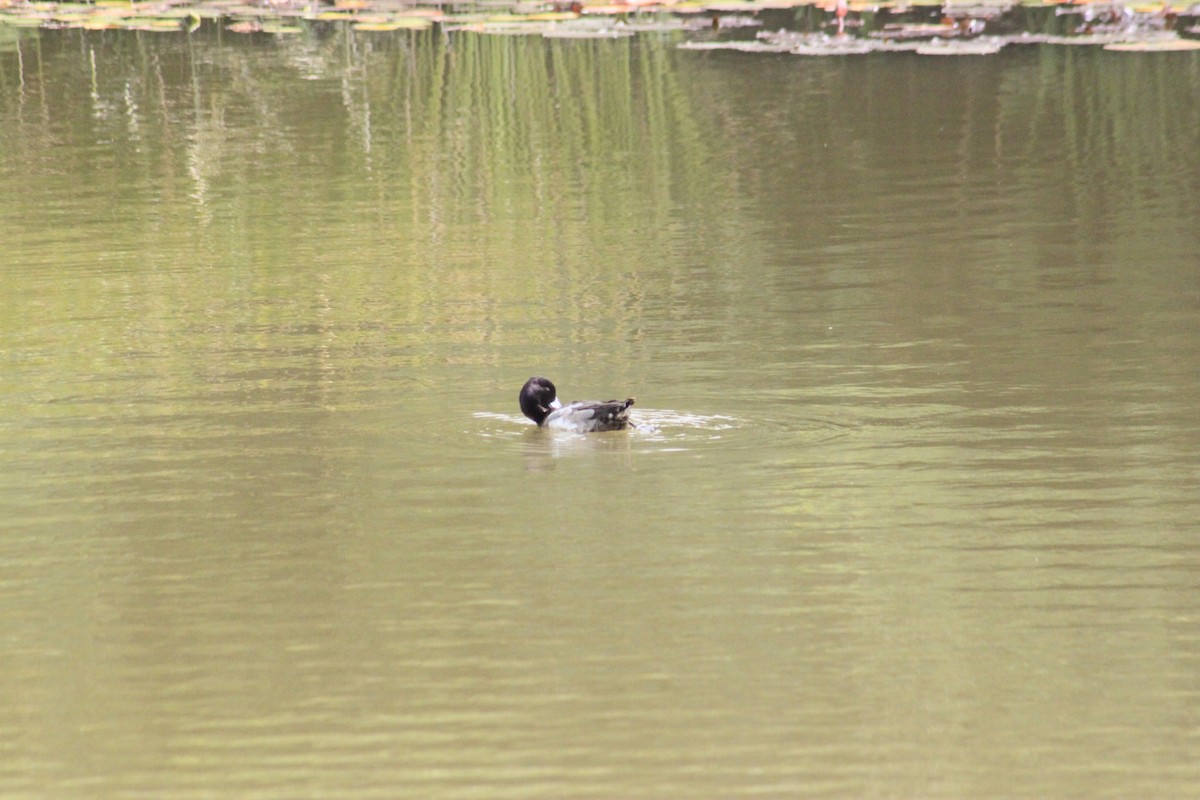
(541, 449)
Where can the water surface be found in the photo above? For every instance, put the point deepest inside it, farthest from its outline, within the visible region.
(911, 508)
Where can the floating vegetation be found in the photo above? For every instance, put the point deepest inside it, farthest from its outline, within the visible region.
(740, 46)
(568, 32)
(822, 44)
(565, 26)
(411, 24)
(1154, 45)
(723, 22)
(276, 27)
(901, 31)
(980, 46)
(924, 27)
(833, 46)
(233, 15)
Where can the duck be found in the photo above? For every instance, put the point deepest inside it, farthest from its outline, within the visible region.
(539, 402)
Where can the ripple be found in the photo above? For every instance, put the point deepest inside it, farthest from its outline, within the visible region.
(677, 429)
(501, 426)
(647, 424)
(666, 425)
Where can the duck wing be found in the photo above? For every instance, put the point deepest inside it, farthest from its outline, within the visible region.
(588, 416)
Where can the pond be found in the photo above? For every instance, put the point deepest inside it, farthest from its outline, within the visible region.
(911, 505)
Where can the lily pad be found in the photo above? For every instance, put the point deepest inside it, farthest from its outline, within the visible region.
(396, 24)
(741, 47)
(915, 31)
(1086, 38)
(983, 46)
(849, 47)
(738, 21)
(551, 16)
(751, 6)
(653, 25)
(153, 24)
(1154, 46)
(513, 27)
(608, 10)
(99, 24)
(281, 29)
(21, 21)
(565, 32)
(263, 26)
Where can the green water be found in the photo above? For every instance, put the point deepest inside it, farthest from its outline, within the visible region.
(911, 510)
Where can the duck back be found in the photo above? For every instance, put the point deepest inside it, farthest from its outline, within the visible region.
(589, 417)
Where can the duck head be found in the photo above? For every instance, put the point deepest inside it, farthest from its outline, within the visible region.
(538, 399)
